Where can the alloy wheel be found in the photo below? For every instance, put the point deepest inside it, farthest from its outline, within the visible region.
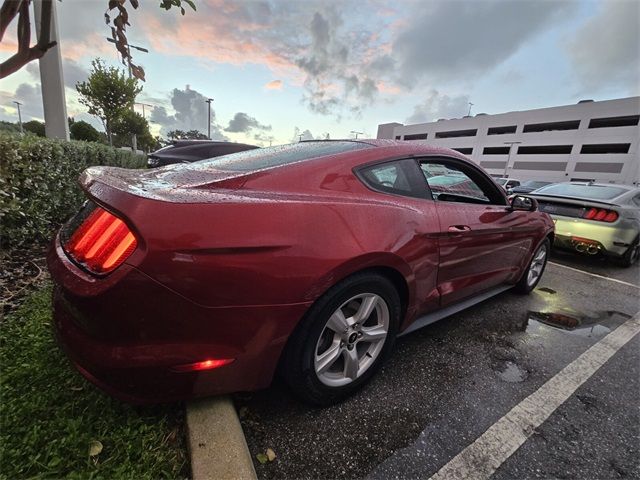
(537, 264)
(352, 339)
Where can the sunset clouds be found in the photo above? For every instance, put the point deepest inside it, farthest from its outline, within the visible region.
(331, 67)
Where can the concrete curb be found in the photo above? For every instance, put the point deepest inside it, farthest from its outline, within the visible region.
(217, 445)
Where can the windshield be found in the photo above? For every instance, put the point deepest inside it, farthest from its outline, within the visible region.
(268, 157)
(596, 192)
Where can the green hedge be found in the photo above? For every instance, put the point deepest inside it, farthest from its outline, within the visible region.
(39, 183)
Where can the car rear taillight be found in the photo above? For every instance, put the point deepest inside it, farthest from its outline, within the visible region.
(101, 243)
(600, 215)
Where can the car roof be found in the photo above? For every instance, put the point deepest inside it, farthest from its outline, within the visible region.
(402, 147)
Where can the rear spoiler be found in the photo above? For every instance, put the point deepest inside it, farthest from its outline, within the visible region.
(558, 198)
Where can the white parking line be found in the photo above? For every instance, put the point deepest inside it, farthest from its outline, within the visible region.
(595, 275)
(484, 456)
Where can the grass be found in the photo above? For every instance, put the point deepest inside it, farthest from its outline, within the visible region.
(49, 415)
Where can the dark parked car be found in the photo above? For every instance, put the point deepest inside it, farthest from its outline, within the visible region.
(186, 151)
(529, 186)
(205, 278)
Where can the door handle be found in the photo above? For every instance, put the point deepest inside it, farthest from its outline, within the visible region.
(459, 229)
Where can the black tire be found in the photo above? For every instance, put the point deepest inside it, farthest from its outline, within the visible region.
(631, 255)
(524, 286)
(297, 362)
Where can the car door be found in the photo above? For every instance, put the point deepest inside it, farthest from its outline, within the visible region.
(482, 241)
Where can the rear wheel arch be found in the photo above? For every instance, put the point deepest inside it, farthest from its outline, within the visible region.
(389, 265)
(551, 236)
(399, 282)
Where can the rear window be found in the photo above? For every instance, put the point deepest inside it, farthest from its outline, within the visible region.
(268, 157)
(596, 192)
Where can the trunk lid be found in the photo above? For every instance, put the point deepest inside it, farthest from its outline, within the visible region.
(175, 183)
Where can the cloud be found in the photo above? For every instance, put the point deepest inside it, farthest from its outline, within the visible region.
(309, 43)
(243, 123)
(605, 51)
(191, 112)
(298, 135)
(450, 40)
(437, 106)
(73, 72)
(274, 85)
(31, 99)
(335, 65)
(263, 139)
(344, 55)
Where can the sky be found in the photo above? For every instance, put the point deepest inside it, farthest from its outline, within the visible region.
(280, 69)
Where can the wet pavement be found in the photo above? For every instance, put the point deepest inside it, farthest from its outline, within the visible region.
(598, 265)
(449, 382)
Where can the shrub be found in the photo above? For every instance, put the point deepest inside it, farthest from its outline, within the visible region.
(34, 126)
(38, 183)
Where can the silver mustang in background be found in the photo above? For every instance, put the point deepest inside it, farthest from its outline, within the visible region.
(594, 218)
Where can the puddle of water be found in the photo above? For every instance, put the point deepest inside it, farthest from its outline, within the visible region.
(575, 323)
(513, 373)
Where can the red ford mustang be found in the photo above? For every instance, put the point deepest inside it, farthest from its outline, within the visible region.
(307, 259)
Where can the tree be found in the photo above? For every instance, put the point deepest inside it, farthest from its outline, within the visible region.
(107, 93)
(27, 53)
(132, 123)
(182, 135)
(34, 126)
(148, 142)
(82, 130)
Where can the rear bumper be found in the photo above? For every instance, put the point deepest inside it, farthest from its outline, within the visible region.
(126, 337)
(610, 239)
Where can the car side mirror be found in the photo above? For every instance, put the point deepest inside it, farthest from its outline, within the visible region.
(527, 204)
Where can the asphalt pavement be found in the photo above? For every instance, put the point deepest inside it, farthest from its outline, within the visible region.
(447, 384)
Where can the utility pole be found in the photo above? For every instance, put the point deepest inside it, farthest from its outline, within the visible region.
(19, 116)
(511, 144)
(469, 112)
(208, 101)
(356, 133)
(51, 79)
(134, 137)
(144, 105)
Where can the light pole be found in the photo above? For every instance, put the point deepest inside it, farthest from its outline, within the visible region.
(134, 138)
(208, 101)
(469, 112)
(144, 105)
(299, 138)
(511, 144)
(19, 115)
(356, 133)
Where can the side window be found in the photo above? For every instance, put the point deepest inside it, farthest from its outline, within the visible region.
(397, 177)
(636, 200)
(455, 183)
